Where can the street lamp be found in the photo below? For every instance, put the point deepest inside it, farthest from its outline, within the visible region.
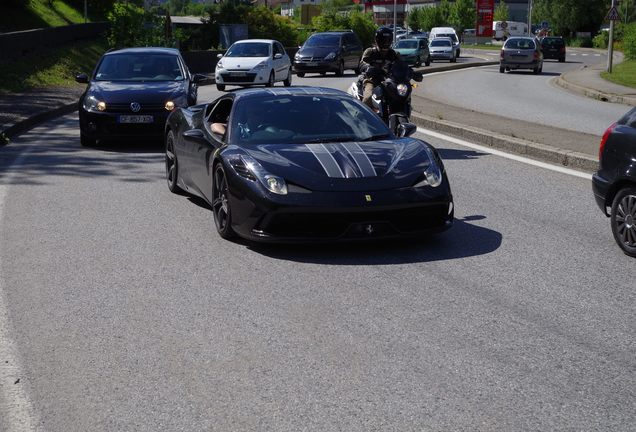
(394, 19)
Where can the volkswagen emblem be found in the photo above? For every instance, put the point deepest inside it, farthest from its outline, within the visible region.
(135, 106)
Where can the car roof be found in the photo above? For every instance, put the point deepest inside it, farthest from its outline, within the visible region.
(145, 50)
(255, 40)
(251, 92)
(334, 32)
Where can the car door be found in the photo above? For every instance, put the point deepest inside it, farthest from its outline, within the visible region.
(281, 61)
(209, 143)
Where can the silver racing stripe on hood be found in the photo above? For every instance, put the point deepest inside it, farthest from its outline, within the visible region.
(361, 159)
(326, 160)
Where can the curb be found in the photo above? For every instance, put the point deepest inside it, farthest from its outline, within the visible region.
(30, 122)
(567, 158)
(594, 94)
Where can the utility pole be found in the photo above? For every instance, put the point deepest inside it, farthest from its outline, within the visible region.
(394, 19)
(530, 17)
(610, 46)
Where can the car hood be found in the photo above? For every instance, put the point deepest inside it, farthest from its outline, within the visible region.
(146, 92)
(348, 166)
(242, 63)
(316, 51)
(406, 51)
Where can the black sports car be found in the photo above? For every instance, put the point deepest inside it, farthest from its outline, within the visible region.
(303, 163)
(131, 93)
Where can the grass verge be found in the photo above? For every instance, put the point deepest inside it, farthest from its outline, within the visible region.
(623, 73)
(51, 68)
(38, 14)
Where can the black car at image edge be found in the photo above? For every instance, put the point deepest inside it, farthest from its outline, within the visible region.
(131, 93)
(333, 51)
(614, 184)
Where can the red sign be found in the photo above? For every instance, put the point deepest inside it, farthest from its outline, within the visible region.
(485, 12)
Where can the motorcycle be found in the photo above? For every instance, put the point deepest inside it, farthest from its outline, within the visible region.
(392, 97)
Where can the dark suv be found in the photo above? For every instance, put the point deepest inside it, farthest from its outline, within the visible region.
(329, 52)
(614, 184)
(553, 48)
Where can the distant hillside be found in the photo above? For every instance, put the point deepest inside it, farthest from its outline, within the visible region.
(31, 14)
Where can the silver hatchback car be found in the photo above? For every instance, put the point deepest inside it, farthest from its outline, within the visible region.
(521, 53)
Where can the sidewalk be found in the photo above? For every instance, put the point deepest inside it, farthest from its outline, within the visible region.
(20, 112)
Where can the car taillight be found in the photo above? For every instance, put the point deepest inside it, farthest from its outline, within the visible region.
(536, 55)
(604, 139)
(562, 49)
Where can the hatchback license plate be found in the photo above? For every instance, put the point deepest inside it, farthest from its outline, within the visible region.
(136, 119)
(237, 74)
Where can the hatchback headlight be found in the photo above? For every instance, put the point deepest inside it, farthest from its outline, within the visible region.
(91, 103)
(262, 65)
(169, 106)
(219, 64)
(330, 56)
(402, 89)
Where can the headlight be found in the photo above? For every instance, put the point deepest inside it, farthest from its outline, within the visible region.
(402, 89)
(219, 64)
(330, 56)
(260, 66)
(249, 168)
(433, 172)
(297, 56)
(91, 103)
(169, 106)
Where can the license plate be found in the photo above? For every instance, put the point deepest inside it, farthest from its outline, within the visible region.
(136, 119)
(312, 63)
(237, 74)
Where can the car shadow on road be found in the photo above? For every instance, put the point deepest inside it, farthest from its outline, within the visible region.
(463, 240)
(455, 154)
(131, 146)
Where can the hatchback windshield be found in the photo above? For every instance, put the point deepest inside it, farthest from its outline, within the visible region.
(300, 119)
(139, 67)
(408, 44)
(519, 44)
(250, 49)
(323, 40)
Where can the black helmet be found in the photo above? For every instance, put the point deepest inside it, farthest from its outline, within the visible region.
(384, 37)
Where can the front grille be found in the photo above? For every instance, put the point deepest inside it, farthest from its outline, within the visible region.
(124, 108)
(311, 59)
(248, 77)
(351, 224)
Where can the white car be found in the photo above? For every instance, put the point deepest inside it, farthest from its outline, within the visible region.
(253, 61)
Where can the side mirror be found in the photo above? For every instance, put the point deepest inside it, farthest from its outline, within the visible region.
(197, 78)
(278, 56)
(81, 78)
(219, 56)
(406, 129)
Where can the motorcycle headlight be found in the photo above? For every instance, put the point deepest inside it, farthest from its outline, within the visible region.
(262, 65)
(402, 89)
(249, 168)
(330, 56)
(91, 103)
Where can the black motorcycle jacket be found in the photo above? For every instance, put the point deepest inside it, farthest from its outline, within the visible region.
(374, 61)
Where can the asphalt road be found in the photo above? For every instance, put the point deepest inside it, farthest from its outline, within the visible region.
(121, 309)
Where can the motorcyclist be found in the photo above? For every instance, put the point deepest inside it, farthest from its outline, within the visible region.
(374, 60)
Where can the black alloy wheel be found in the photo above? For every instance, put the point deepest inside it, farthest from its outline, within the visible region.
(428, 61)
(220, 87)
(270, 81)
(623, 220)
(288, 81)
(221, 204)
(340, 71)
(502, 69)
(86, 141)
(418, 62)
(172, 165)
(300, 74)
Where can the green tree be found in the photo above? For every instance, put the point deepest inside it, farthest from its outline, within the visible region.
(501, 12)
(414, 18)
(569, 16)
(463, 15)
(132, 26)
(629, 41)
(431, 17)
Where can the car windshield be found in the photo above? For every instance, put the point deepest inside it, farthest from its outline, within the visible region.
(301, 119)
(453, 36)
(323, 40)
(519, 44)
(441, 43)
(552, 42)
(248, 49)
(407, 44)
(139, 67)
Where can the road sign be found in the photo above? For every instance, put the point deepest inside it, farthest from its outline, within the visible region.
(504, 24)
(612, 15)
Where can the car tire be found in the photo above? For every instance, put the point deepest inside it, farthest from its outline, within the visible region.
(300, 74)
(341, 68)
(428, 61)
(220, 87)
(536, 70)
(270, 81)
(562, 60)
(623, 220)
(288, 80)
(172, 165)
(87, 141)
(458, 52)
(221, 205)
(453, 60)
(502, 69)
(418, 62)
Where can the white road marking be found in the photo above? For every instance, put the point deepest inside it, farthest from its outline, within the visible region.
(517, 158)
(18, 414)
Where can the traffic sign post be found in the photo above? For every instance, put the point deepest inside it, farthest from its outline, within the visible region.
(612, 16)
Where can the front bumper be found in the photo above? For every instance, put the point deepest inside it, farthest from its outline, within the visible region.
(316, 66)
(327, 216)
(107, 125)
(441, 55)
(516, 65)
(241, 77)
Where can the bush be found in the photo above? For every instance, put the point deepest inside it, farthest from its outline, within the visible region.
(581, 42)
(601, 40)
(629, 42)
(132, 26)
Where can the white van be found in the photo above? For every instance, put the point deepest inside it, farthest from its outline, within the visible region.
(445, 32)
(502, 30)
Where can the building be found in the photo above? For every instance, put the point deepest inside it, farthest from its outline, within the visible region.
(518, 9)
(287, 7)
